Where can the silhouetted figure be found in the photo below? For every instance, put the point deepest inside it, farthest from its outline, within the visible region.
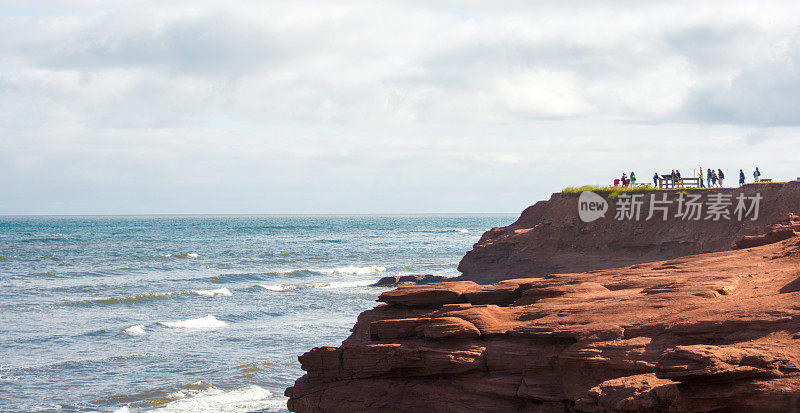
(624, 179)
(721, 176)
(655, 178)
(708, 177)
(741, 177)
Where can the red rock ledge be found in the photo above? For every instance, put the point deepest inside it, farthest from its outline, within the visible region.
(704, 333)
(549, 238)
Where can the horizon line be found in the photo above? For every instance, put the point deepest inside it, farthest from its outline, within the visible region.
(257, 214)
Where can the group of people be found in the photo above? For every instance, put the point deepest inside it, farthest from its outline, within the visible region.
(628, 182)
(712, 179)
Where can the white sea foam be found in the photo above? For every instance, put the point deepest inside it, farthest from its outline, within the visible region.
(284, 287)
(186, 255)
(206, 322)
(344, 284)
(243, 399)
(136, 330)
(210, 293)
(463, 231)
(325, 285)
(352, 270)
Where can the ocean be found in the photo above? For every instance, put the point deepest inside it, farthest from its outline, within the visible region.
(194, 313)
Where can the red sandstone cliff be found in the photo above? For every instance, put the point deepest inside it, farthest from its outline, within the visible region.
(703, 333)
(549, 237)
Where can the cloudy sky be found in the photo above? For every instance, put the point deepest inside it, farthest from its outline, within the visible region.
(378, 106)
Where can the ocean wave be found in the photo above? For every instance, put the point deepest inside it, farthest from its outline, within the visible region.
(440, 231)
(210, 293)
(266, 276)
(232, 277)
(136, 330)
(284, 287)
(344, 284)
(207, 322)
(325, 285)
(250, 398)
(328, 241)
(139, 298)
(352, 270)
(185, 255)
(45, 239)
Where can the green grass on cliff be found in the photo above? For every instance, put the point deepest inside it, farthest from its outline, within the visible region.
(614, 191)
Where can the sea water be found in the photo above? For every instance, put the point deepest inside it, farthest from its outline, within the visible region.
(195, 313)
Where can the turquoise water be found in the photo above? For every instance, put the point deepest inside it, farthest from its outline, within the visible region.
(187, 313)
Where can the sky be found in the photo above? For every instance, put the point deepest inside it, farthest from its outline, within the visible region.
(435, 106)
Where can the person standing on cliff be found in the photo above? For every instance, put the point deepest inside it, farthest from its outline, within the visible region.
(624, 180)
(655, 178)
(741, 177)
(757, 175)
(708, 177)
(713, 178)
(700, 178)
(721, 176)
(633, 179)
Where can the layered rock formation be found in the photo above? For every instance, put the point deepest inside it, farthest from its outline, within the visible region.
(713, 332)
(709, 332)
(549, 237)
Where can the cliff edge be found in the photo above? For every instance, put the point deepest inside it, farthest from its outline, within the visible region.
(717, 331)
(549, 237)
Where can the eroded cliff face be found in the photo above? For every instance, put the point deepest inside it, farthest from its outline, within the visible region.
(550, 238)
(712, 332)
(718, 331)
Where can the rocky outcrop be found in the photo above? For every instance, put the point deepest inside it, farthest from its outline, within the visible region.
(790, 227)
(550, 238)
(412, 279)
(702, 333)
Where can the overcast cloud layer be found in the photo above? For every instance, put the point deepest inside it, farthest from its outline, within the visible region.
(382, 106)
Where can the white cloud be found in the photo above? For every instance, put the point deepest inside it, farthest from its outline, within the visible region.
(405, 97)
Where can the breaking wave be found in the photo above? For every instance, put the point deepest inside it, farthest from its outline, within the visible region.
(210, 293)
(344, 284)
(137, 330)
(139, 298)
(345, 270)
(244, 399)
(206, 322)
(284, 287)
(352, 270)
(326, 285)
(185, 255)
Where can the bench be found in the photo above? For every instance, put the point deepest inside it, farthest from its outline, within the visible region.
(666, 181)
